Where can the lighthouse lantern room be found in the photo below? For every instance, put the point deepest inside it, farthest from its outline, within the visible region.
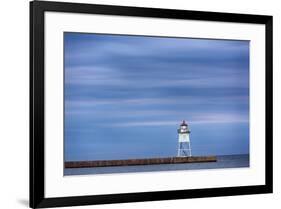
(184, 147)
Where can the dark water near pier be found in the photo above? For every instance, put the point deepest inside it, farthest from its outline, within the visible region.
(224, 161)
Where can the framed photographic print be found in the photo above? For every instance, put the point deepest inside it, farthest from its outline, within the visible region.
(135, 104)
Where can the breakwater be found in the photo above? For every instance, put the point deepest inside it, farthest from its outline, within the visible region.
(144, 161)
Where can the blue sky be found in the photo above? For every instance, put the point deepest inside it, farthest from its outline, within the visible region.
(125, 96)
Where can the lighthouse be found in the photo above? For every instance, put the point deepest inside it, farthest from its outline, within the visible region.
(184, 147)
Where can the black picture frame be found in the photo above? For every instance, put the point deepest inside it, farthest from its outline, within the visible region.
(37, 196)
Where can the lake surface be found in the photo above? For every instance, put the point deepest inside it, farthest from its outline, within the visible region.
(224, 161)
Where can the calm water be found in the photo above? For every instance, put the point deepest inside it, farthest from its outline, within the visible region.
(226, 161)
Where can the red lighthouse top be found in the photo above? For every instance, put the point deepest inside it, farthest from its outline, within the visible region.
(183, 123)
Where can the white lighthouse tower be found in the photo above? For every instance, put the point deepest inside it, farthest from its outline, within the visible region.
(184, 147)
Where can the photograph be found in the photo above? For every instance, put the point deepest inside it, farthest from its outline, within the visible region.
(134, 104)
(137, 103)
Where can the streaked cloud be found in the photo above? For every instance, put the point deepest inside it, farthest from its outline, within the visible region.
(202, 118)
(135, 90)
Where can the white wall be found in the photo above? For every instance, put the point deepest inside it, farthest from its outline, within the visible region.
(14, 78)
